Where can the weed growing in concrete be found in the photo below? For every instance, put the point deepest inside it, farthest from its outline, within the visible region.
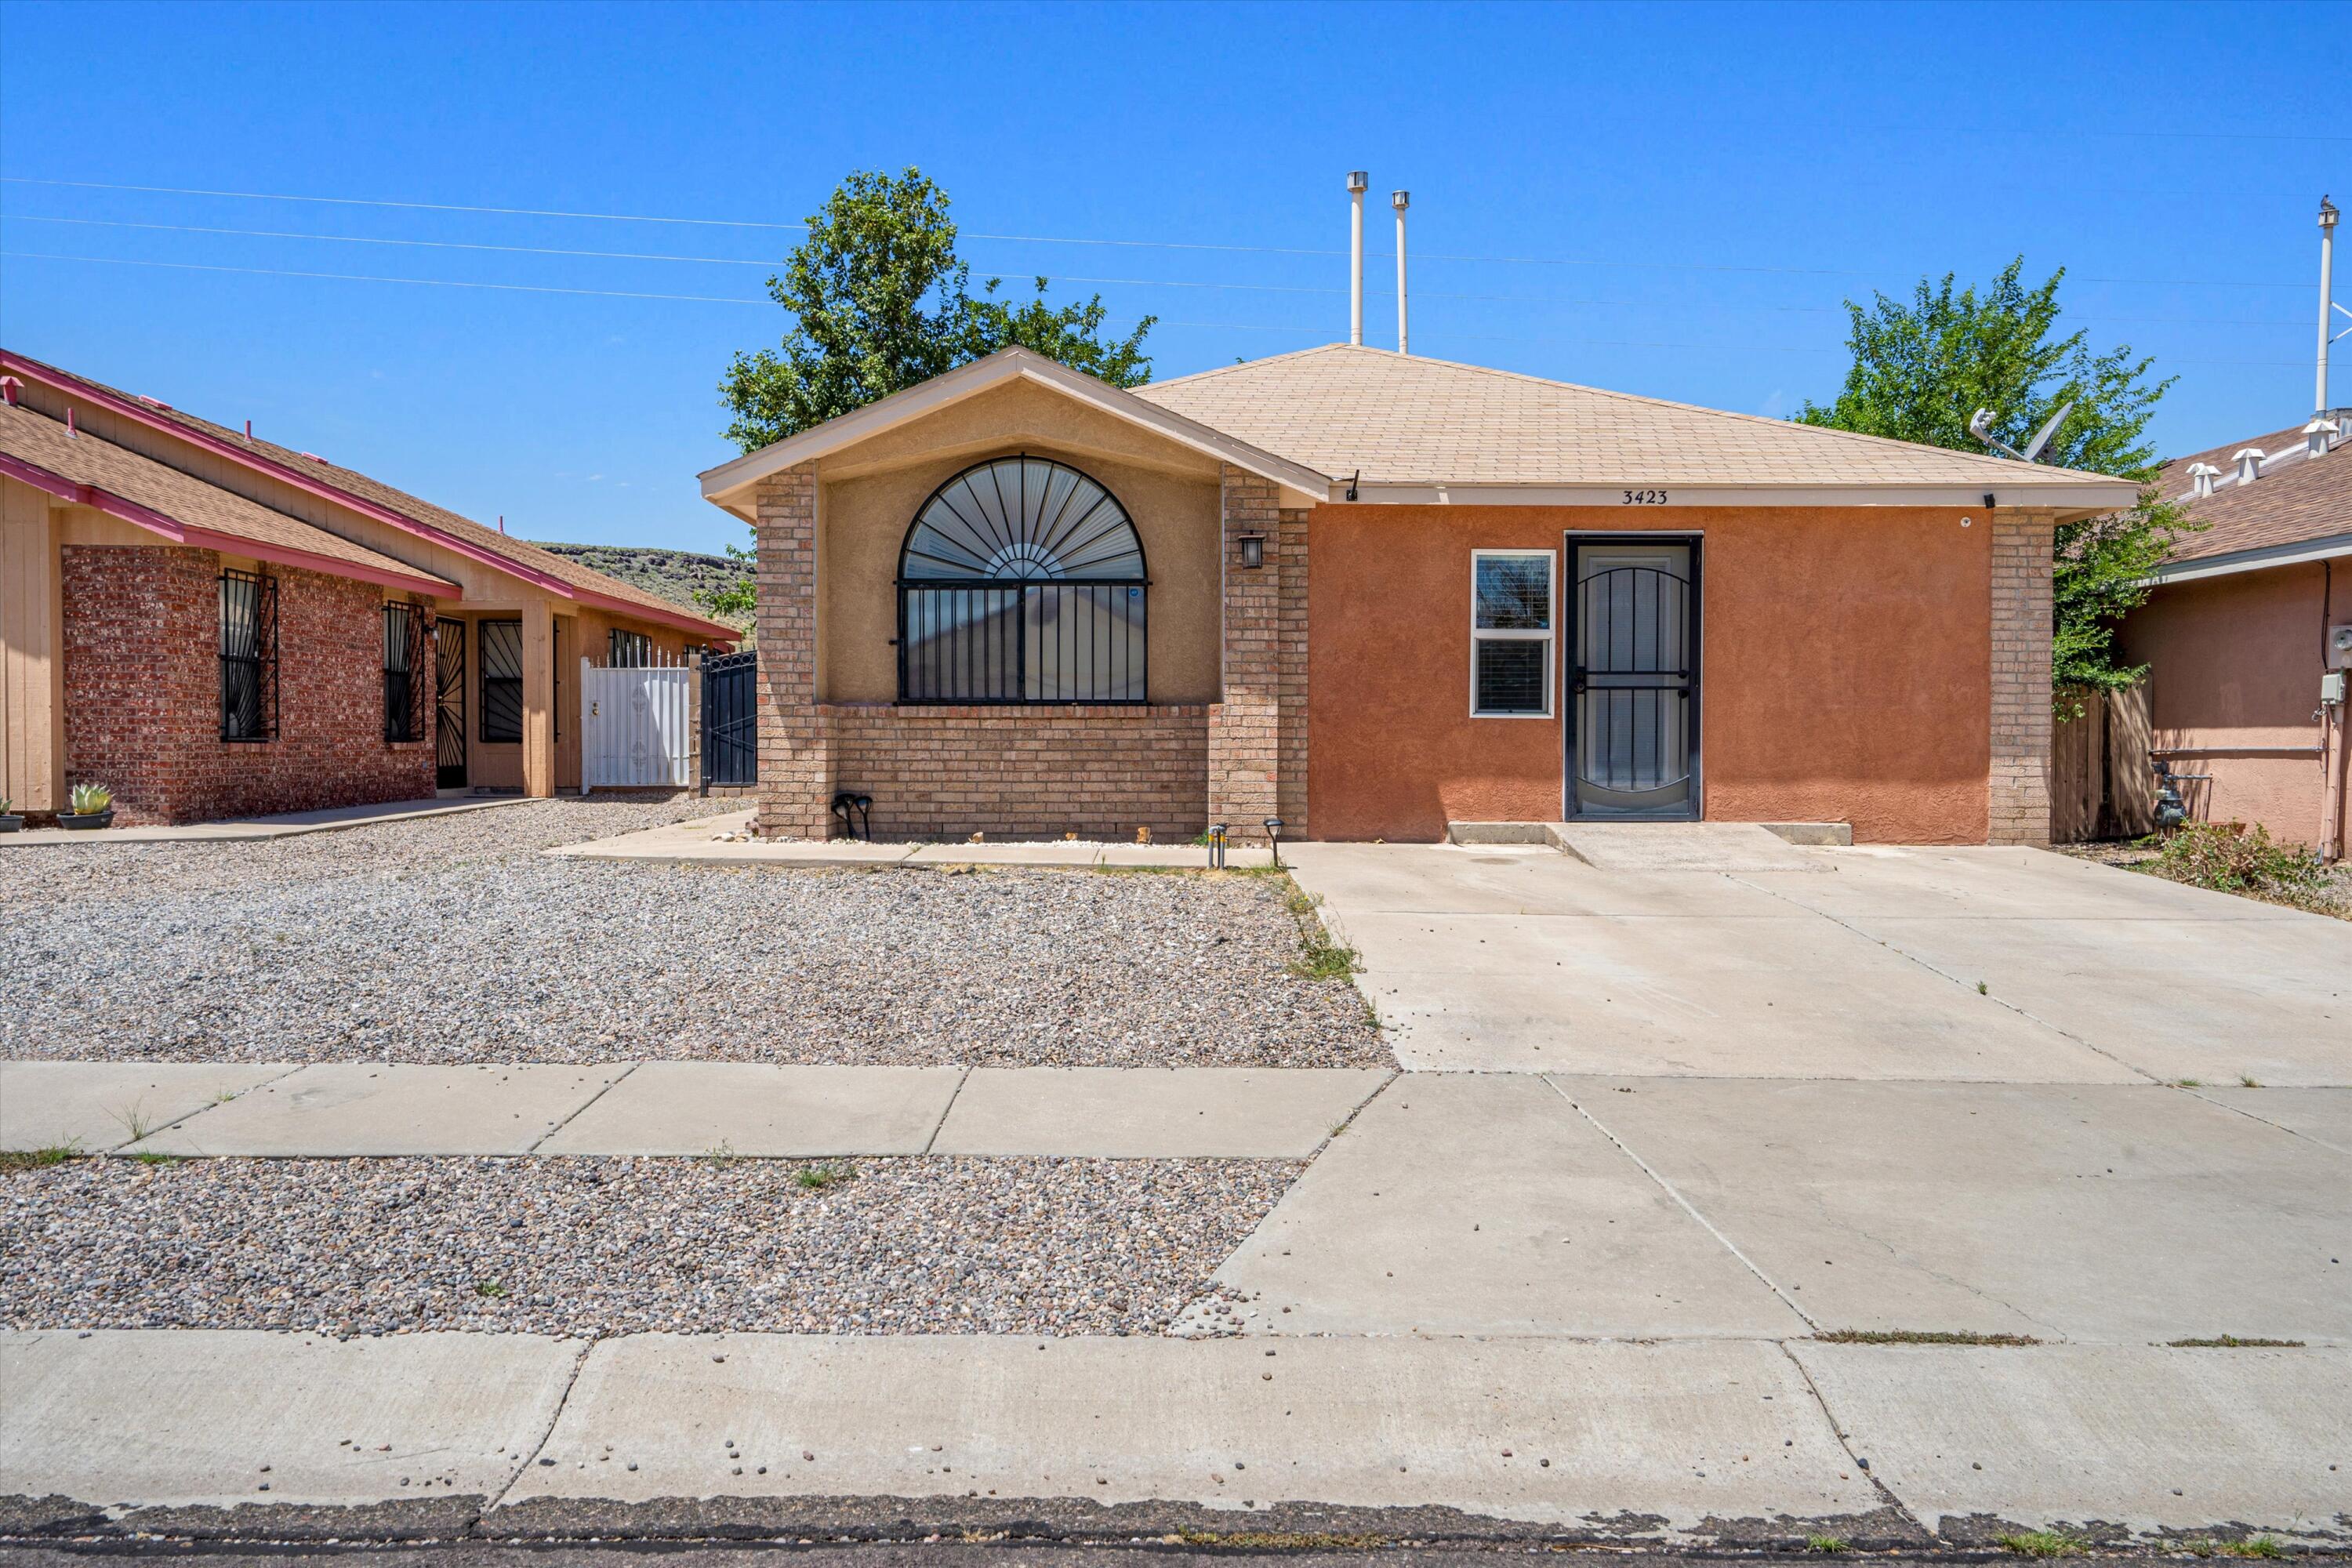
(721, 1154)
(135, 1122)
(1829, 1543)
(2188, 1083)
(2232, 1343)
(1921, 1337)
(2042, 1543)
(148, 1157)
(2253, 1546)
(1982, 989)
(2246, 1080)
(12, 1160)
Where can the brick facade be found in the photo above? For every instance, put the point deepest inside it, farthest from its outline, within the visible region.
(2018, 790)
(1244, 729)
(1100, 772)
(1290, 750)
(796, 772)
(142, 692)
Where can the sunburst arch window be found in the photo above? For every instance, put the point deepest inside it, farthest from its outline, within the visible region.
(1022, 580)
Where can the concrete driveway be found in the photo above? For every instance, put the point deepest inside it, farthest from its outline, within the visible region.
(1899, 1091)
(1990, 966)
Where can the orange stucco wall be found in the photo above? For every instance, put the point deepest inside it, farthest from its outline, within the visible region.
(2235, 661)
(1845, 670)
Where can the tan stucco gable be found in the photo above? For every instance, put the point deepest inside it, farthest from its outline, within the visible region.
(734, 485)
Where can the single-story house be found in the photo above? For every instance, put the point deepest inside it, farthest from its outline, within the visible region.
(212, 625)
(1372, 594)
(2245, 625)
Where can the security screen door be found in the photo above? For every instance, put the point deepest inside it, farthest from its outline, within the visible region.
(1632, 742)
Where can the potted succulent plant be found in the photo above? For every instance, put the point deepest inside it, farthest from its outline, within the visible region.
(93, 806)
(9, 820)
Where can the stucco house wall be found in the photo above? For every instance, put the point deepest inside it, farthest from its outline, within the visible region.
(1845, 670)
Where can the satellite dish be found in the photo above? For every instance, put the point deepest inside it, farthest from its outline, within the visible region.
(1981, 426)
(2042, 437)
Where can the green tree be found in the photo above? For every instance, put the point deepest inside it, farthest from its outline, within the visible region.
(1921, 369)
(880, 303)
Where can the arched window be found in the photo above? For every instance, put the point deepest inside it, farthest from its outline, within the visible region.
(1022, 580)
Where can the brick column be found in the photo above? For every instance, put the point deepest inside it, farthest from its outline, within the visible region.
(1291, 749)
(2018, 789)
(795, 747)
(1244, 728)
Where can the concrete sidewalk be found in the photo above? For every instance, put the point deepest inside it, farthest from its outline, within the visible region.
(719, 841)
(1754, 1442)
(674, 1108)
(239, 829)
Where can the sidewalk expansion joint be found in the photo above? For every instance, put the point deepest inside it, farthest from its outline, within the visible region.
(292, 1068)
(554, 1416)
(577, 1110)
(2030, 1017)
(1687, 1206)
(945, 1110)
(1861, 1462)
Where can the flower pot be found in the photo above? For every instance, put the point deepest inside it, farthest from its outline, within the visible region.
(86, 818)
(10, 822)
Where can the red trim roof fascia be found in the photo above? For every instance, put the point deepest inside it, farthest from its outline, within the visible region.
(716, 631)
(65, 381)
(178, 532)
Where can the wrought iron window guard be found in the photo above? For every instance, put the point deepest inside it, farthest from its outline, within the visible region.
(1023, 642)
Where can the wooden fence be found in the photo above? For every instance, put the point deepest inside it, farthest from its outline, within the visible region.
(2101, 786)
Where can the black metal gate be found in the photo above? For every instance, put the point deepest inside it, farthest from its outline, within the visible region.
(1633, 734)
(730, 719)
(449, 702)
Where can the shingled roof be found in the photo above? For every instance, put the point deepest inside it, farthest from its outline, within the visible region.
(2295, 502)
(1408, 420)
(83, 469)
(533, 560)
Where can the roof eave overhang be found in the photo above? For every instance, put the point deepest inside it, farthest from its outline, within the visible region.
(731, 484)
(2074, 499)
(2332, 548)
(170, 527)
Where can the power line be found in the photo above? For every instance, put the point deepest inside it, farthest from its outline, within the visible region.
(1056, 277)
(749, 299)
(1065, 239)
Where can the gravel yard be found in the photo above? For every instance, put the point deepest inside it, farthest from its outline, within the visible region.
(604, 1247)
(456, 940)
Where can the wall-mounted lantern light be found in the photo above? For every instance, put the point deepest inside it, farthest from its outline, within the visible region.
(1253, 551)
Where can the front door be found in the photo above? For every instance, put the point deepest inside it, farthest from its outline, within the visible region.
(449, 702)
(1632, 638)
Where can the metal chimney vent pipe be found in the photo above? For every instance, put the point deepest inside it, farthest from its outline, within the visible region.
(2327, 298)
(1401, 200)
(1357, 180)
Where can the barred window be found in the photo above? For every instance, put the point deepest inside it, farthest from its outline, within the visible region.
(1510, 634)
(628, 650)
(248, 656)
(404, 672)
(502, 647)
(1023, 580)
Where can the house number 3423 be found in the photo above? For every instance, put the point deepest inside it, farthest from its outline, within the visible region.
(1645, 497)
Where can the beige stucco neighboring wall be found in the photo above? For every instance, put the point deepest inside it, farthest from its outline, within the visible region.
(869, 495)
(31, 662)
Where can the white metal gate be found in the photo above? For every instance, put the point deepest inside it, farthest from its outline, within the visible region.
(636, 727)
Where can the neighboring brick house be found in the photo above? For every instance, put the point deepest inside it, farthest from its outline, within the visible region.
(214, 625)
(1016, 600)
(2242, 630)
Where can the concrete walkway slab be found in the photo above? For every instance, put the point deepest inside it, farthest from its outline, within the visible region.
(2154, 1439)
(288, 825)
(95, 1106)
(1354, 880)
(1674, 996)
(1680, 1433)
(1682, 846)
(2270, 999)
(2087, 1212)
(1154, 1113)
(340, 1109)
(196, 1418)
(1997, 883)
(756, 1110)
(2322, 1115)
(1482, 1204)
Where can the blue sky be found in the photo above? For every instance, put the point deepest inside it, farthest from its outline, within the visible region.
(1665, 199)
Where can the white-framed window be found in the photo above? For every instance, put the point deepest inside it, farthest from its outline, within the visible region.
(1511, 620)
